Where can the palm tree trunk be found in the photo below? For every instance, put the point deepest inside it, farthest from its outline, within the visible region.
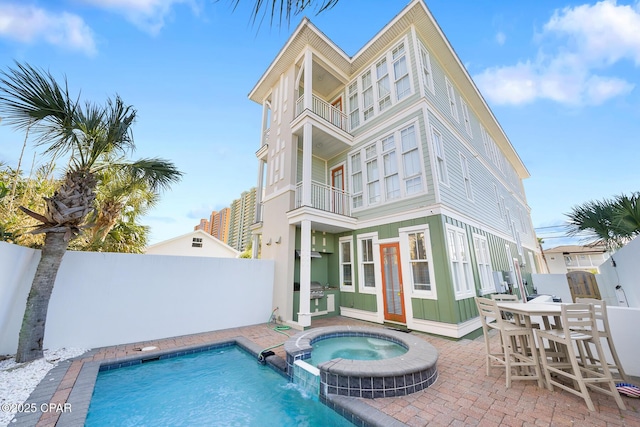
(35, 315)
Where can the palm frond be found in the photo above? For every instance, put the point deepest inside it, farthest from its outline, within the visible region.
(159, 174)
(283, 10)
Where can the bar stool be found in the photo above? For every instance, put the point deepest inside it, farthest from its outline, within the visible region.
(578, 327)
(602, 321)
(518, 354)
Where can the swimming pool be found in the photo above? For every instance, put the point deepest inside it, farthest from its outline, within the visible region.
(222, 387)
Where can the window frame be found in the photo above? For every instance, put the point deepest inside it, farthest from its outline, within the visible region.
(451, 94)
(379, 158)
(341, 241)
(459, 264)
(406, 261)
(439, 157)
(483, 264)
(465, 116)
(427, 73)
(375, 261)
(466, 176)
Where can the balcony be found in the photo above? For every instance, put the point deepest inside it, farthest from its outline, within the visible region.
(325, 111)
(326, 198)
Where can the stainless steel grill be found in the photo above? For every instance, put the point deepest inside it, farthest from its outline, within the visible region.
(317, 290)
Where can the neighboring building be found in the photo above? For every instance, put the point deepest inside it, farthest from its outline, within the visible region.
(387, 176)
(220, 224)
(242, 214)
(196, 243)
(204, 226)
(563, 259)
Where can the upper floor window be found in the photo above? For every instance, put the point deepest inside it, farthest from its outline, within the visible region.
(373, 88)
(425, 62)
(464, 165)
(465, 116)
(354, 110)
(452, 99)
(438, 149)
(389, 168)
(401, 72)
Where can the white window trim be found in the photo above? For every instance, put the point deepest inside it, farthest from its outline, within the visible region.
(467, 289)
(451, 95)
(397, 134)
(375, 247)
(405, 260)
(487, 284)
(429, 83)
(388, 55)
(344, 288)
(465, 116)
(445, 173)
(466, 177)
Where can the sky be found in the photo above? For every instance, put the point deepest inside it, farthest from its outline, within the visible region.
(560, 76)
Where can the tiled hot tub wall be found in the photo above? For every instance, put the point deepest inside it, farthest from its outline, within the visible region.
(398, 376)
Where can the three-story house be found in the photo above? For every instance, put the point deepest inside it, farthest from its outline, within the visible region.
(385, 178)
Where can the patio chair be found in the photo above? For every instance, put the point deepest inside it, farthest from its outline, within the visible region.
(602, 320)
(578, 327)
(517, 352)
(509, 316)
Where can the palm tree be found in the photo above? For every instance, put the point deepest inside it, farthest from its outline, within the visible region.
(610, 222)
(283, 9)
(94, 138)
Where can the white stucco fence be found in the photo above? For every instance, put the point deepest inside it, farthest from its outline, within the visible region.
(102, 299)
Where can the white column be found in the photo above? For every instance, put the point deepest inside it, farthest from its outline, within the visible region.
(307, 141)
(304, 315)
(265, 125)
(259, 190)
(308, 79)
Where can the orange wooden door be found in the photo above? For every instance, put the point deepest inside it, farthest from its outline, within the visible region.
(393, 294)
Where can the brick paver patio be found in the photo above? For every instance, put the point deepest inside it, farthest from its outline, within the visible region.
(462, 396)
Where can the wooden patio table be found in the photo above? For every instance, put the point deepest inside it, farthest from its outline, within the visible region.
(545, 310)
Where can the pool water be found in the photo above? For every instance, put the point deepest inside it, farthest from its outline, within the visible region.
(356, 348)
(223, 387)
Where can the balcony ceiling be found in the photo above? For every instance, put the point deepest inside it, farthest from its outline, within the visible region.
(325, 145)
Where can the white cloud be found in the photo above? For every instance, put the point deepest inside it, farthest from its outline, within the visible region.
(501, 38)
(577, 45)
(30, 24)
(148, 15)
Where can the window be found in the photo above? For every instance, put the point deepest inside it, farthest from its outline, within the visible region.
(390, 162)
(465, 116)
(464, 165)
(346, 266)
(460, 262)
(425, 60)
(373, 87)
(367, 95)
(356, 180)
(387, 169)
(400, 72)
(419, 262)
(441, 166)
(354, 111)
(196, 242)
(367, 264)
(384, 91)
(373, 176)
(568, 260)
(411, 161)
(452, 99)
(483, 261)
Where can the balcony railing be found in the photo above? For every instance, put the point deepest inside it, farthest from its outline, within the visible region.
(326, 198)
(326, 111)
